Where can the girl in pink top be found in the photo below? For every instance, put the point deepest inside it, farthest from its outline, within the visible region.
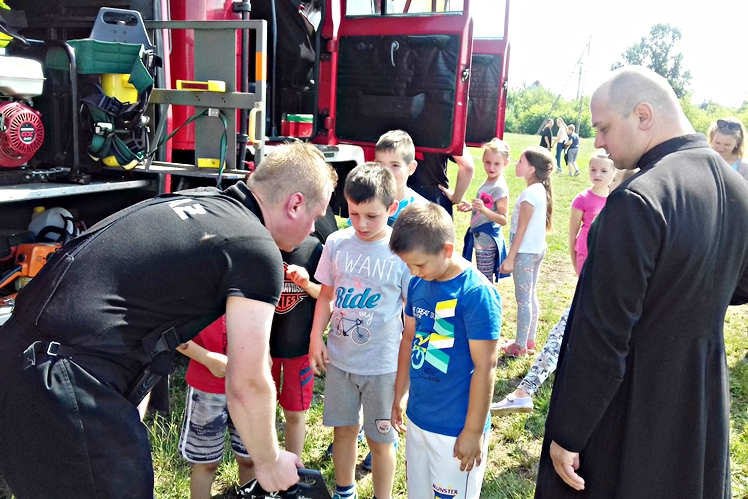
(586, 206)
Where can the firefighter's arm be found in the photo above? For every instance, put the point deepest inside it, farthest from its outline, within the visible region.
(250, 392)
(465, 170)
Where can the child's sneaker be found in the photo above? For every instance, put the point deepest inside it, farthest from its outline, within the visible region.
(338, 496)
(512, 404)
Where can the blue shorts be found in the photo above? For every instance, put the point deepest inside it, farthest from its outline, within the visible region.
(206, 419)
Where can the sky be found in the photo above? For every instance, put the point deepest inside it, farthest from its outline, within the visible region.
(547, 39)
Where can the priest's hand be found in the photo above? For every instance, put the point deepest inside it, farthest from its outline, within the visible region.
(566, 463)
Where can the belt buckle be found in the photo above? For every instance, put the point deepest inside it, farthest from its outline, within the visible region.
(53, 348)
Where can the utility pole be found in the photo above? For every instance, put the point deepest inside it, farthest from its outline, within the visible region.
(579, 83)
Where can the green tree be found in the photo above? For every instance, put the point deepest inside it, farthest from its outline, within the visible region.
(658, 53)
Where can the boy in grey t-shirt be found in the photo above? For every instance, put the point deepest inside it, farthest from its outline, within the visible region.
(364, 286)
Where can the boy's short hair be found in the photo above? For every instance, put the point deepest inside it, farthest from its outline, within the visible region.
(422, 227)
(399, 142)
(571, 127)
(370, 181)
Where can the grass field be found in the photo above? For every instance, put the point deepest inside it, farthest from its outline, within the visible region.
(516, 439)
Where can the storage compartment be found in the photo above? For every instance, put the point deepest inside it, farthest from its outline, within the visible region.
(297, 125)
(21, 78)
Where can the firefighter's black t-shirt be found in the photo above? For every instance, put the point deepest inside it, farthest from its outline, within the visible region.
(162, 263)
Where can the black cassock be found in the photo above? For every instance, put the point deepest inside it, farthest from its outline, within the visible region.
(641, 391)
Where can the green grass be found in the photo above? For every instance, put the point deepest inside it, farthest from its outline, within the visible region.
(515, 439)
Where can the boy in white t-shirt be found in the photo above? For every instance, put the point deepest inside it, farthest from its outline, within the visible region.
(364, 286)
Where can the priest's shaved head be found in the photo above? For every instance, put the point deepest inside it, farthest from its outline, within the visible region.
(633, 111)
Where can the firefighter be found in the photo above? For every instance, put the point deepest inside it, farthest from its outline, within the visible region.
(94, 328)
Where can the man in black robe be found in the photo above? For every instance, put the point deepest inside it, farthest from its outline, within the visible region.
(640, 406)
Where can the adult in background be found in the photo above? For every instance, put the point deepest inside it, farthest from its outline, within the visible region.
(640, 405)
(84, 329)
(561, 137)
(727, 137)
(546, 135)
(430, 178)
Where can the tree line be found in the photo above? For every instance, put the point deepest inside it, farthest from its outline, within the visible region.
(529, 106)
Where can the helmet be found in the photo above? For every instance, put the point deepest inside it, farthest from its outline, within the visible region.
(54, 224)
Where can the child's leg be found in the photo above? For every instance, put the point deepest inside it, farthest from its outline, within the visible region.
(443, 478)
(523, 284)
(246, 469)
(546, 362)
(486, 253)
(378, 393)
(295, 397)
(342, 412)
(295, 431)
(206, 419)
(534, 297)
(383, 461)
(344, 454)
(201, 479)
(246, 465)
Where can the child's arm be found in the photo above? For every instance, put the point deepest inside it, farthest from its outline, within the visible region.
(300, 277)
(322, 312)
(402, 381)
(214, 361)
(575, 222)
(470, 440)
(498, 216)
(525, 214)
(465, 170)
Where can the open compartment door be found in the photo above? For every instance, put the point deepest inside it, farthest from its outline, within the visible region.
(404, 64)
(488, 72)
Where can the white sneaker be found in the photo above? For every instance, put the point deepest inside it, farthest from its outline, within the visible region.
(511, 404)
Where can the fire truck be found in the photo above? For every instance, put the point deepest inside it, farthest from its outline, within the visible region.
(104, 103)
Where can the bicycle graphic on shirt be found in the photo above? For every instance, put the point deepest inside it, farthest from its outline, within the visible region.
(352, 328)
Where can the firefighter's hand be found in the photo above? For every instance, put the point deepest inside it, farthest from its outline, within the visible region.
(318, 359)
(298, 275)
(279, 475)
(216, 363)
(450, 194)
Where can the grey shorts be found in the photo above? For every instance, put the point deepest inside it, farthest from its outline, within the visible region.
(346, 393)
(206, 419)
(573, 153)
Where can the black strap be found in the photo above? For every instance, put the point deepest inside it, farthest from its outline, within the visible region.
(39, 349)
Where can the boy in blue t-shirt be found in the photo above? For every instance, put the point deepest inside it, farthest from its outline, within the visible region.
(363, 291)
(449, 348)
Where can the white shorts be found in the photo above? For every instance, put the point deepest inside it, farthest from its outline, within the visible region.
(432, 471)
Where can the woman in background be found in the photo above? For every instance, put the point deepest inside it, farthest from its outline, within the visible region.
(727, 137)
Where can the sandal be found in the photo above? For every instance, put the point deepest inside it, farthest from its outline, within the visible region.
(510, 349)
(530, 347)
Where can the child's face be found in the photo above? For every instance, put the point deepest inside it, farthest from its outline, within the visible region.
(524, 168)
(494, 163)
(399, 168)
(426, 266)
(601, 172)
(369, 218)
